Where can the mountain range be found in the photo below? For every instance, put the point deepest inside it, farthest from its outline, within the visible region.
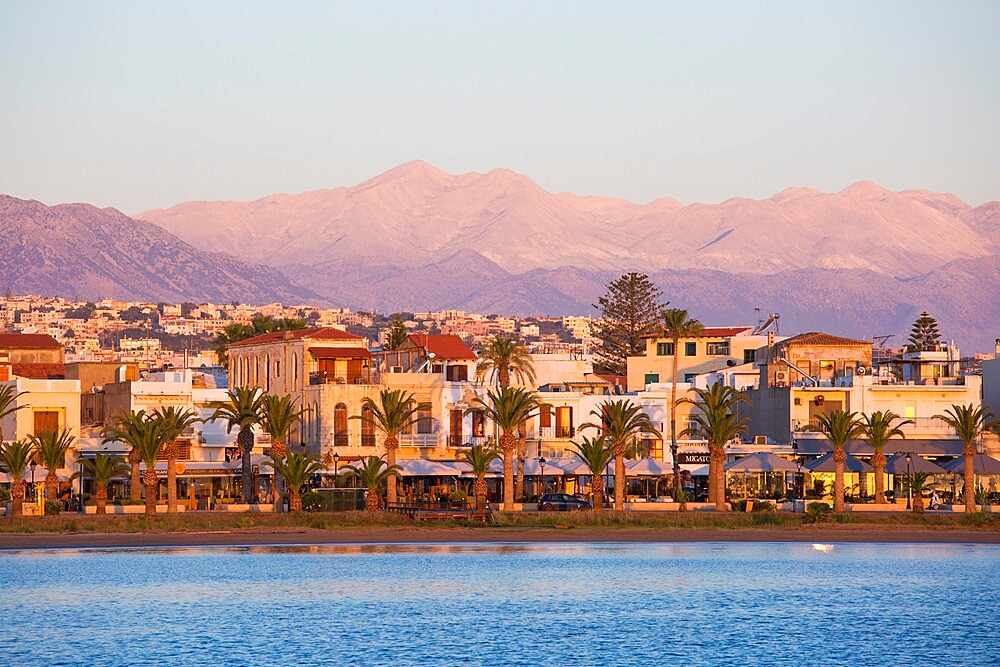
(863, 261)
(860, 262)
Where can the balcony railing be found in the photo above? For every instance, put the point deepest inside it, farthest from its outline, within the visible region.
(366, 377)
(919, 425)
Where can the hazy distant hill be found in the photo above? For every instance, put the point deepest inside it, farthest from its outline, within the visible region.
(859, 262)
(82, 252)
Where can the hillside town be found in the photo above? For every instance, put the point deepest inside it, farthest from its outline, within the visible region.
(79, 368)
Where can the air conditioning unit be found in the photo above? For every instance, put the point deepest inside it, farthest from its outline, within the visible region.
(395, 369)
(760, 440)
(780, 376)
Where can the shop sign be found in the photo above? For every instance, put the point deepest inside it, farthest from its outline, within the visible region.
(693, 457)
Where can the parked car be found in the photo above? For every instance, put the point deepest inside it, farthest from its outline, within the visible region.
(561, 502)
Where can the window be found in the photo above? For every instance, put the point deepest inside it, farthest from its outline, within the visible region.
(367, 427)
(564, 422)
(46, 420)
(651, 378)
(749, 356)
(664, 349)
(544, 416)
(690, 376)
(425, 423)
(717, 349)
(277, 368)
(340, 425)
(478, 425)
(691, 349)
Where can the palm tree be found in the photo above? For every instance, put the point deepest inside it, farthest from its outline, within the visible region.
(231, 333)
(241, 411)
(127, 429)
(502, 357)
(675, 325)
(716, 422)
(508, 409)
(9, 396)
(296, 469)
(278, 415)
(596, 453)
(480, 458)
(174, 421)
(878, 430)
(839, 427)
(917, 481)
(147, 438)
(50, 450)
(103, 468)
(393, 412)
(373, 472)
(970, 422)
(15, 457)
(622, 421)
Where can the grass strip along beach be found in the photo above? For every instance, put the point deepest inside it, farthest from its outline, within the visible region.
(356, 527)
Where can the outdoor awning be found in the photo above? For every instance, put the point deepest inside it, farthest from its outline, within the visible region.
(921, 447)
(648, 467)
(982, 464)
(532, 468)
(340, 353)
(896, 465)
(426, 468)
(825, 463)
(761, 462)
(573, 465)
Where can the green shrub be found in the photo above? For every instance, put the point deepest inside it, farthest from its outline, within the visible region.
(457, 496)
(4, 496)
(53, 507)
(129, 501)
(763, 506)
(978, 519)
(817, 512)
(312, 501)
(765, 518)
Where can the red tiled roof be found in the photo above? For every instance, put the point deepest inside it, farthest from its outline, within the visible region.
(316, 333)
(39, 371)
(28, 341)
(820, 338)
(444, 346)
(712, 332)
(340, 353)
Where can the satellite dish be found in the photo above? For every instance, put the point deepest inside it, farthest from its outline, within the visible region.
(861, 370)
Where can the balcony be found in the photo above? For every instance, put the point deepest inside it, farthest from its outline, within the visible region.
(919, 425)
(366, 377)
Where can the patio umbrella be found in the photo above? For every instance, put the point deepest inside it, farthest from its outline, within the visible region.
(532, 468)
(983, 465)
(425, 468)
(896, 465)
(574, 465)
(825, 463)
(761, 462)
(648, 467)
(40, 474)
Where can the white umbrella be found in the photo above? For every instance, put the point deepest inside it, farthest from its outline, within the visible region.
(761, 462)
(574, 465)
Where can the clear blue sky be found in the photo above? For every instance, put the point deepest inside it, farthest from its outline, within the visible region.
(139, 104)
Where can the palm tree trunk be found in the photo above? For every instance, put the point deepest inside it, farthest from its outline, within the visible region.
(878, 462)
(294, 500)
(717, 478)
(597, 493)
(279, 451)
(17, 498)
(391, 445)
(135, 488)
(620, 482)
(839, 457)
(508, 443)
(371, 501)
(151, 482)
(51, 485)
(101, 494)
(969, 453)
(245, 441)
(519, 485)
(918, 503)
(172, 481)
(673, 423)
(480, 492)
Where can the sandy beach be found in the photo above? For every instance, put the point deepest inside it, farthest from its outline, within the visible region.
(430, 534)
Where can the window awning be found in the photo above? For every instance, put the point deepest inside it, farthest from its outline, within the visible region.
(920, 447)
(340, 353)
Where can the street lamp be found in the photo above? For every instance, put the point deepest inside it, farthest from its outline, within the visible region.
(541, 486)
(909, 486)
(81, 483)
(336, 469)
(33, 465)
(799, 488)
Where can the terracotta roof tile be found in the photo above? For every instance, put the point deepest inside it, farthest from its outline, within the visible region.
(28, 341)
(316, 333)
(820, 338)
(444, 346)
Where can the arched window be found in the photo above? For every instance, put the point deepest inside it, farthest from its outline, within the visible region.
(340, 425)
(367, 428)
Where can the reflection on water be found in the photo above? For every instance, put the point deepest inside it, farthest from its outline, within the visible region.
(491, 604)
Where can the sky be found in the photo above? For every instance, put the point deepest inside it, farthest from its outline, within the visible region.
(144, 105)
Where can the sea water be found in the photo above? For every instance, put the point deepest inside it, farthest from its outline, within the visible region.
(504, 604)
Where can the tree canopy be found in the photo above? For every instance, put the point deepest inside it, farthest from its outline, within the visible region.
(924, 336)
(629, 310)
